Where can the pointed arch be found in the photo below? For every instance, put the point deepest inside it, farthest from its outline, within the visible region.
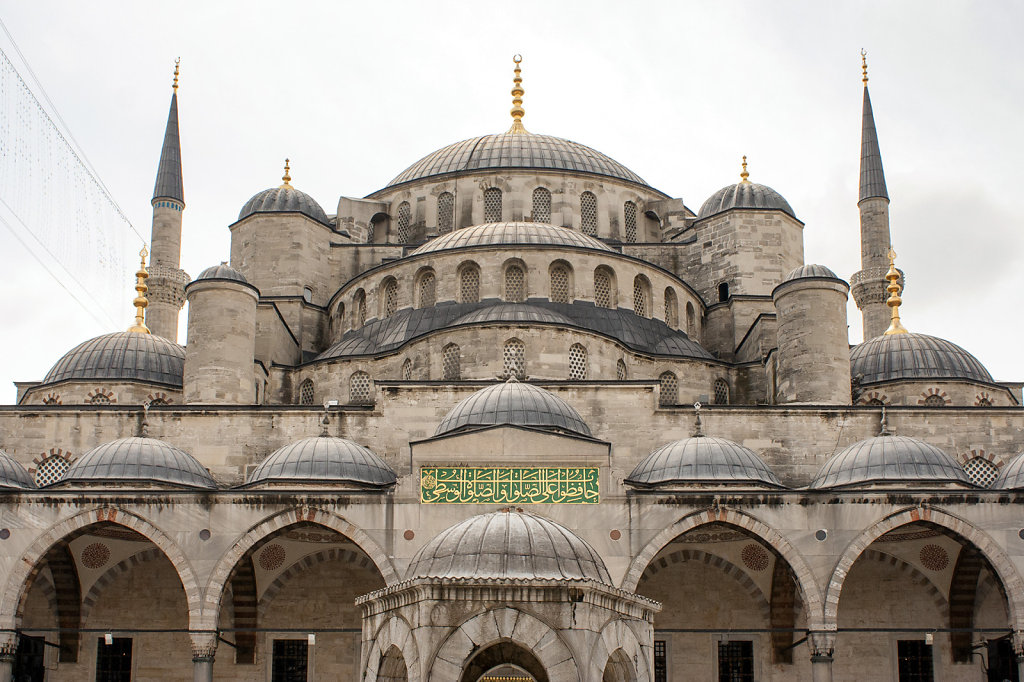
(394, 633)
(618, 637)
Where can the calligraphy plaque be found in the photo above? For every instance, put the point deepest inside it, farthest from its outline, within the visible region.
(509, 485)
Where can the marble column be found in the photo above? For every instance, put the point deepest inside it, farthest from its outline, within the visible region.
(822, 645)
(204, 648)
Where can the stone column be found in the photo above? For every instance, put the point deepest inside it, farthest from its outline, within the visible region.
(8, 647)
(1018, 650)
(822, 645)
(204, 648)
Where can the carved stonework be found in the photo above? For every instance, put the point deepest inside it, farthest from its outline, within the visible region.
(167, 285)
(204, 645)
(822, 644)
(869, 286)
(8, 645)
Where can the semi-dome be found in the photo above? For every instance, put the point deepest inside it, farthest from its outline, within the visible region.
(521, 151)
(914, 356)
(512, 233)
(703, 460)
(810, 271)
(509, 545)
(324, 459)
(514, 312)
(744, 195)
(284, 199)
(890, 459)
(121, 356)
(1012, 475)
(138, 459)
(517, 404)
(222, 271)
(12, 474)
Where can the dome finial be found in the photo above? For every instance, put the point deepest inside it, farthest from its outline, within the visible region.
(286, 178)
(698, 426)
(864, 65)
(744, 174)
(176, 62)
(883, 426)
(140, 301)
(895, 326)
(517, 99)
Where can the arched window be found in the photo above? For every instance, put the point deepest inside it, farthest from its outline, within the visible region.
(980, 470)
(451, 363)
(407, 370)
(629, 214)
(360, 306)
(445, 212)
(427, 289)
(671, 308)
(469, 284)
(723, 291)
(669, 393)
(389, 296)
(359, 388)
(306, 392)
(515, 284)
(515, 358)
(935, 400)
(559, 283)
(641, 296)
(721, 389)
(492, 205)
(588, 213)
(100, 398)
(620, 370)
(691, 320)
(377, 227)
(51, 470)
(404, 220)
(604, 288)
(577, 362)
(541, 205)
(338, 321)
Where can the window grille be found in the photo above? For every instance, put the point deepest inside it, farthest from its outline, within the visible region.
(669, 389)
(935, 400)
(735, 661)
(515, 284)
(360, 308)
(404, 220)
(983, 402)
(290, 660)
(100, 399)
(620, 371)
(629, 213)
(359, 388)
(114, 660)
(445, 212)
(515, 358)
(588, 213)
(450, 362)
(691, 320)
(369, 232)
(981, 471)
(428, 290)
(915, 661)
(51, 470)
(721, 389)
(407, 370)
(541, 205)
(159, 401)
(469, 285)
(390, 297)
(876, 402)
(306, 392)
(671, 308)
(603, 290)
(641, 297)
(492, 205)
(660, 661)
(51, 400)
(577, 362)
(559, 284)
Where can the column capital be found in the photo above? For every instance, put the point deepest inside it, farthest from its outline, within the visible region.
(204, 644)
(822, 643)
(1018, 644)
(8, 645)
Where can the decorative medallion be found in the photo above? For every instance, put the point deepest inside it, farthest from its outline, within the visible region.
(934, 558)
(754, 557)
(95, 555)
(272, 557)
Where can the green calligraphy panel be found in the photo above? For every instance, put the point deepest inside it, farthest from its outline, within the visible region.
(509, 485)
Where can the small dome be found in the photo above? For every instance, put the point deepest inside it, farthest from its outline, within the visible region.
(324, 459)
(890, 459)
(138, 459)
(222, 271)
(809, 271)
(914, 356)
(513, 312)
(744, 195)
(284, 200)
(510, 545)
(517, 404)
(491, 234)
(12, 474)
(1012, 475)
(703, 459)
(122, 356)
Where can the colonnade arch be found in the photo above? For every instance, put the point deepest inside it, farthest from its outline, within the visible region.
(394, 634)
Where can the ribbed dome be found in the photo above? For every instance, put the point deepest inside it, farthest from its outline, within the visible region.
(138, 459)
(914, 356)
(1012, 475)
(490, 234)
(890, 459)
(744, 195)
(703, 459)
(284, 200)
(810, 270)
(222, 271)
(122, 356)
(12, 474)
(514, 312)
(516, 404)
(324, 459)
(520, 151)
(511, 545)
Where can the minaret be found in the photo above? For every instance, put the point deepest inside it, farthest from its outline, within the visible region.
(166, 280)
(869, 285)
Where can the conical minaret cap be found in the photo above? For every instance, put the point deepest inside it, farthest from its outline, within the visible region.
(872, 177)
(169, 184)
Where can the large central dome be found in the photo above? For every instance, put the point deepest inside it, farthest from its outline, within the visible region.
(516, 150)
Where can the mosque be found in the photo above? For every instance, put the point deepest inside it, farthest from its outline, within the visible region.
(516, 416)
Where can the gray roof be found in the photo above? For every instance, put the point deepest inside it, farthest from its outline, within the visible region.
(509, 545)
(122, 356)
(324, 459)
(222, 271)
(744, 195)
(169, 184)
(508, 233)
(138, 459)
(513, 312)
(12, 474)
(703, 459)
(513, 403)
(520, 151)
(890, 459)
(872, 178)
(284, 200)
(1011, 477)
(809, 271)
(914, 356)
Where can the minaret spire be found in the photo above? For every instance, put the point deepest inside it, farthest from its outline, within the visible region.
(168, 174)
(872, 178)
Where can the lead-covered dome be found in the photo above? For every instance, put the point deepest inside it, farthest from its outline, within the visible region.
(122, 356)
(890, 459)
(141, 460)
(514, 312)
(703, 460)
(914, 356)
(284, 199)
(12, 474)
(810, 271)
(524, 151)
(744, 195)
(324, 459)
(509, 545)
(515, 404)
(1012, 475)
(509, 233)
(222, 271)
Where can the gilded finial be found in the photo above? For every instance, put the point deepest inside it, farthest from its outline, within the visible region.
(286, 178)
(744, 174)
(176, 62)
(517, 99)
(140, 301)
(895, 326)
(864, 65)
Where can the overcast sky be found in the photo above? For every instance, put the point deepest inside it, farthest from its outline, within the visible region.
(354, 93)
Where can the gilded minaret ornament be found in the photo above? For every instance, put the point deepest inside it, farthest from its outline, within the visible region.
(140, 301)
(744, 174)
(895, 326)
(517, 99)
(286, 178)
